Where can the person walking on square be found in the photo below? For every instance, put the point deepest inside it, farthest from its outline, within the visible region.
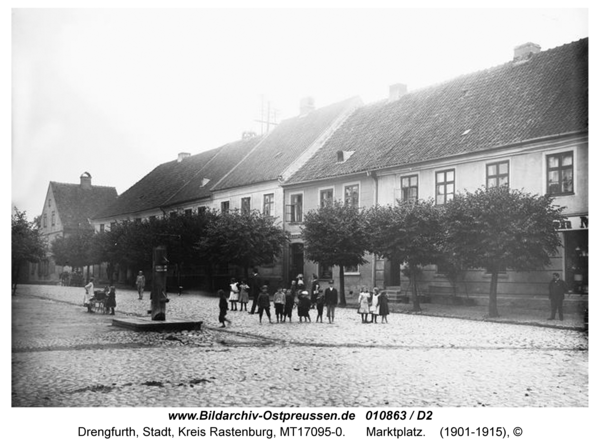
(223, 307)
(374, 308)
(331, 301)
(384, 308)
(234, 295)
(363, 304)
(244, 295)
(264, 304)
(289, 305)
(255, 285)
(111, 300)
(279, 301)
(556, 292)
(140, 283)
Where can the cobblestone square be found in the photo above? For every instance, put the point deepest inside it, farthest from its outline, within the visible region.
(63, 356)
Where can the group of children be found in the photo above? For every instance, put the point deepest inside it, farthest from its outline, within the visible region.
(373, 304)
(285, 300)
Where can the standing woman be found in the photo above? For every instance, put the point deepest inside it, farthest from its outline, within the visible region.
(89, 292)
(234, 295)
(300, 282)
(374, 310)
(384, 308)
(363, 304)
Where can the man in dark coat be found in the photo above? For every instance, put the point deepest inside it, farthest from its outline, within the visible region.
(331, 300)
(255, 286)
(556, 292)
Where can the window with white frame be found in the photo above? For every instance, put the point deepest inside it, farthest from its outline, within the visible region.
(245, 205)
(444, 186)
(294, 209)
(326, 197)
(351, 195)
(268, 204)
(225, 207)
(559, 173)
(409, 187)
(496, 174)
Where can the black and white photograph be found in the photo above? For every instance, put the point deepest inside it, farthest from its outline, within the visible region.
(314, 223)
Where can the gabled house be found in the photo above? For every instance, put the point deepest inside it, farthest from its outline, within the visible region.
(256, 181)
(523, 123)
(67, 210)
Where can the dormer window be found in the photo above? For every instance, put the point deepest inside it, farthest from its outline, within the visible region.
(342, 156)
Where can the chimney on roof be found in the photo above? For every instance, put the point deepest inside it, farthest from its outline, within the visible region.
(182, 155)
(307, 105)
(397, 91)
(247, 135)
(525, 51)
(85, 181)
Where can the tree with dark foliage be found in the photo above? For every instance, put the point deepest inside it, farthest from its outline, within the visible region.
(410, 233)
(336, 235)
(243, 239)
(498, 229)
(28, 244)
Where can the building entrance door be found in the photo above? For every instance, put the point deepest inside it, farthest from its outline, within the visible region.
(296, 260)
(394, 273)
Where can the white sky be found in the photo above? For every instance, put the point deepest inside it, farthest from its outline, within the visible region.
(118, 91)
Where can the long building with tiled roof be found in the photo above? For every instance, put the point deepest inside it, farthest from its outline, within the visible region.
(186, 179)
(525, 99)
(523, 124)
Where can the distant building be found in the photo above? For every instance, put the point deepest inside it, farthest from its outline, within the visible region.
(68, 209)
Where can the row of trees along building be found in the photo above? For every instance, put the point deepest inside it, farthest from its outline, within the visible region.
(493, 229)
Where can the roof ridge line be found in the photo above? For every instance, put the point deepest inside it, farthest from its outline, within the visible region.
(355, 103)
(165, 202)
(213, 188)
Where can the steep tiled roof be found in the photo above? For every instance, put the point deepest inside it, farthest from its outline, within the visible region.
(284, 145)
(76, 204)
(546, 95)
(175, 182)
(227, 158)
